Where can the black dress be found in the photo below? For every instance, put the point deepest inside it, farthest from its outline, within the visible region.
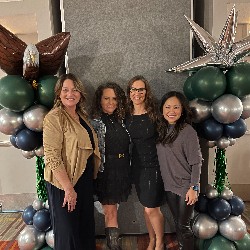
(145, 166)
(113, 185)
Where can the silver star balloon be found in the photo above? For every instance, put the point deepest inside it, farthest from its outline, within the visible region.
(224, 53)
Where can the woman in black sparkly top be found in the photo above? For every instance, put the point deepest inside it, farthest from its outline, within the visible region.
(113, 183)
(141, 125)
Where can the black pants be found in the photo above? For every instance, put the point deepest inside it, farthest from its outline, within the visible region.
(74, 230)
(182, 214)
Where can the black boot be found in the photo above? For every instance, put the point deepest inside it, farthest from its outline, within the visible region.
(112, 235)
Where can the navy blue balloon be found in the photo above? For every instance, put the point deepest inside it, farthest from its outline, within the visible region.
(28, 214)
(28, 140)
(201, 204)
(13, 141)
(219, 209)
(41, 220)
(237, 205)
(210, 129)
(235, 129)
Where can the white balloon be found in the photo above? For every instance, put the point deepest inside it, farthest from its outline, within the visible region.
(49, 237)
(246, 107)
(201, 110)
(38, 204)
(223, 142)
(28, 154)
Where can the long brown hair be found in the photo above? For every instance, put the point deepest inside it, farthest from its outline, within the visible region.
(80, 106)
(150, 100)
(120, 97)
(164, 136)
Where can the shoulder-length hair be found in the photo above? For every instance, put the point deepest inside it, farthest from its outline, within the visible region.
(163, 126)
(80, 106)
(150, 100)
(120, 97)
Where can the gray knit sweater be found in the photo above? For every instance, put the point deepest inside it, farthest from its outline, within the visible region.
(180, 162)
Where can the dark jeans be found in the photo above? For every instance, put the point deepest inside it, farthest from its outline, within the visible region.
(182, 214)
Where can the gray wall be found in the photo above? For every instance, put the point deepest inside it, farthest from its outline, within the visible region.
(114, 40)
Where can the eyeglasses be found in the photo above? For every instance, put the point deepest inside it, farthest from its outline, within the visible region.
(140, 90)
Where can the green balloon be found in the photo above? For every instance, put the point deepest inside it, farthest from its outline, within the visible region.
(187, 88)
(218, 243)
(238, 80)
(46, 248)
(208, 83)
(243, 244)
(16, 93)
(45, 90)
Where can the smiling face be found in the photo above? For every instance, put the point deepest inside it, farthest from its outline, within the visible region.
(69, 95)
(108, 101)
(172, 110)
(138, 92)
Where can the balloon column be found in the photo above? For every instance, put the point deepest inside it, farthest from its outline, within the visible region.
(27, 92)
(219, 93)
(37, 233)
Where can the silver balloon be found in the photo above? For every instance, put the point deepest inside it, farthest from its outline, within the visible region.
(10, 122)
(223, 142)
(211, 144)
(39, 151)
(38, 204)
(246, 107)
(49, 237)
(30, 238)
(33, 117)
(211, 192)
(28, 154)
(204, 227)
(227, 108)
(233, 228)
(201, 110)
(226, 193)
(232, 141)
(46, 204)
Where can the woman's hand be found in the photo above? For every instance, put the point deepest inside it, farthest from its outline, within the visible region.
(70, 198)
(191, 196)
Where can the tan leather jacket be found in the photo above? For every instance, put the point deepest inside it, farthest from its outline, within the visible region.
(67, 145)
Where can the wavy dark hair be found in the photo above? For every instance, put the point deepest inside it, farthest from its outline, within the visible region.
(163, 126)
(81, 105)
(120, 97)
(150, 100)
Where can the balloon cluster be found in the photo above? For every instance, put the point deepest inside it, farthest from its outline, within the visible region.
(27, 91)
(218, 224)
(37, 233)
(220, 103)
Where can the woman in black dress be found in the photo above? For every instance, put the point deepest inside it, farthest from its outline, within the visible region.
(145, 166)
(113, 183)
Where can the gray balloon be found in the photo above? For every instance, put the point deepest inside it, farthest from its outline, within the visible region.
(10, 122)
(246, 107)
(201, 110)
(232, 141)
(49, 237)
(233, 228)
(204, 227)
(211, 192)
(223, 142)
(38, 204)
(33, 117)
(227, 109)
(28, 154)
(211, 144)
(226, 193)
(30, 238)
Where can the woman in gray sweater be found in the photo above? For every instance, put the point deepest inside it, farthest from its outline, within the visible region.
(180, 161)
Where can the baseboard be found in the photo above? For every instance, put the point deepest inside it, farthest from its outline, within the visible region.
(241, 190)
(16, 202)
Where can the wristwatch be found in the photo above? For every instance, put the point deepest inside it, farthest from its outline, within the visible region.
(195, 188)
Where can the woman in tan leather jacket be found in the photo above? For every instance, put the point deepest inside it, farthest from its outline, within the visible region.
(72, 161)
